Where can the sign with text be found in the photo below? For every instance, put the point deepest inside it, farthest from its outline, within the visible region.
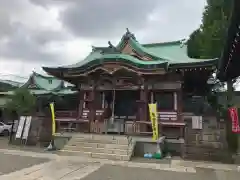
(27, 127)
(20, 127)
(154, 119)
(233, 111)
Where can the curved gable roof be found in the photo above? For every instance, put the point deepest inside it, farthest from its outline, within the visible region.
(168, 54)
(38, 81)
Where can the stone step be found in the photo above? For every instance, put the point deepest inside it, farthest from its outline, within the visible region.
(95, 155)
(66, 152)
(110, 156)
(109, 141)
(98, 150)
(101, 137)
(97, 145)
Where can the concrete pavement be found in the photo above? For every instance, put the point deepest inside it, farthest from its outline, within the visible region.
(54, 167)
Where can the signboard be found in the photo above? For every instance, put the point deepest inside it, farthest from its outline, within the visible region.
(20, 126)
(27, 127)
(53, 119)
(154, 120)
(235, 120)
(197, 122)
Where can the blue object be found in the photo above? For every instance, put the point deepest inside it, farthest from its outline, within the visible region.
(148, 155)
(145, 155)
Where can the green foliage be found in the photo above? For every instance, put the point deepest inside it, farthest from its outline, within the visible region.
(195, 45)
(6, 87)
(22, 102)
(208, 41)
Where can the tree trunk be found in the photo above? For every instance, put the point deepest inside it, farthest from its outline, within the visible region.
(229, 93)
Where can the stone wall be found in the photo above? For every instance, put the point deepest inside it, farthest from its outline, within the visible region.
(39, 132)
(209, 143)
(45, 132)
(33, 135)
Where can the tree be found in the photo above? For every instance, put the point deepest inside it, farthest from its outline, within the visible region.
(22, 102)
(195, 45)
(6, 87)
(208, 40)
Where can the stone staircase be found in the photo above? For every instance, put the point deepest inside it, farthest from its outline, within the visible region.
(112, 147)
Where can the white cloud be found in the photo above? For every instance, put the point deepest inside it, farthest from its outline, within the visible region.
(34, 33)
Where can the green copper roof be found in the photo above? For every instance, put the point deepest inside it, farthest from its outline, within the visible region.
(38, 81)
(168, 55)
(39, 85)
(42, 92)
(11, 83)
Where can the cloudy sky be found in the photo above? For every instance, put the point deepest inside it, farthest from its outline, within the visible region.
(35, 33)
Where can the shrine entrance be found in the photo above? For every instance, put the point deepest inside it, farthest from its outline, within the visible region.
(125, 103)
(122, 105)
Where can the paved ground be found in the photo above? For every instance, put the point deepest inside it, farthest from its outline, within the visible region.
(109, 172)
(4, 144)
(33, 164)
(11, 163)
(42, 166)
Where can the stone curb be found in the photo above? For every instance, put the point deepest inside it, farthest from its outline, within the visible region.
(218, 168)
(213, 166)
(29, 153)
(165, 167)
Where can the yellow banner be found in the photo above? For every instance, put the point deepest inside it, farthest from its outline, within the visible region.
(53, 119)
(154, 119)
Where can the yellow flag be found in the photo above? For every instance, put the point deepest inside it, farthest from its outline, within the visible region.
(154, 119)
(53, 119)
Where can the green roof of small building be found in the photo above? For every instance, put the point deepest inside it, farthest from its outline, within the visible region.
(168, 55)
(49, 83)
(43, 92)
(11, 83)
(40, 85)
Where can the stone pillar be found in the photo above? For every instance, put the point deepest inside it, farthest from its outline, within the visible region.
(237, 159)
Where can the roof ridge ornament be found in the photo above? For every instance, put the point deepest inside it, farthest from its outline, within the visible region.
(93, 48)
(110, 50)
(110, 45)
(129, 35)
(183, 42)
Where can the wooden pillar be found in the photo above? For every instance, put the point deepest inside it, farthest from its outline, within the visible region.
(144, 104)
(175, 97)
(92, 110)
(179, 105)
(81, 95)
